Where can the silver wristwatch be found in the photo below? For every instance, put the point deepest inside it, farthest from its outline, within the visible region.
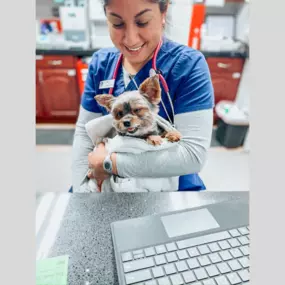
(107, 164)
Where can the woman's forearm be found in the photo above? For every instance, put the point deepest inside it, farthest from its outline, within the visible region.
(82, 145)
(188, 156)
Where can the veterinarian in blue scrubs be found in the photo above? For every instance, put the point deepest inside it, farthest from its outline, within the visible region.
(136, 29)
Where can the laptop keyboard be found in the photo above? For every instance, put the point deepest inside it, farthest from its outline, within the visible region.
(220, 258)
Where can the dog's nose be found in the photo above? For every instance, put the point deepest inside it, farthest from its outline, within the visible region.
(127, 124)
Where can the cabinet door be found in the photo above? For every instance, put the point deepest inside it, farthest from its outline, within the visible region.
(59, 90)
(225, 86)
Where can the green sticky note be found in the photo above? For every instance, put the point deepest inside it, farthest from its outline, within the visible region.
(52, 271)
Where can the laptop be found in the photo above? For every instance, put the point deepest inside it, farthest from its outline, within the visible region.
(206, 245)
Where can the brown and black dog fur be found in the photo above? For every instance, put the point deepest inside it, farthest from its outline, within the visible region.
(134, 112)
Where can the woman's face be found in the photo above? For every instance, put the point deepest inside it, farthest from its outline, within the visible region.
(135, 27)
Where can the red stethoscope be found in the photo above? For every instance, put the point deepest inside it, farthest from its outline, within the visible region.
(155, 70)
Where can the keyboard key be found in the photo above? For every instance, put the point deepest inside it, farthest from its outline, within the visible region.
(171, 257)
(188, 276)
(203, 249)
(171, 246)
(234, 233)
(181, 266)
(214, 247)
(202, 240)
(225, 255)
(151, 282)
(139, 251)
(197, 283)
(234, 242)
(233, 278)
(212, 270)
(244, 261)
(157, 271)
(209, 282)
(182, 254)
(204, 260)
(160, 259)
(235, 252)
(222, 280)
(193, 252)
(138, 264)
(127, 256)
(243, 231)
(224, 244)
(223, 268)
(215, 258)
(243, 240)
(138, 276)
(234, 265)
(244, 275)
(149, 251)
(176, 279)
(163, 281)
(138, 256)
(200, 273)
(193, 263)
(169, 269)
(245, 250)
(160, 249)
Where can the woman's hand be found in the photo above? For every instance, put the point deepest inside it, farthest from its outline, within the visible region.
(95, 162)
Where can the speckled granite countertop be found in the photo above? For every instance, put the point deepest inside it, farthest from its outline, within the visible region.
(78, 225)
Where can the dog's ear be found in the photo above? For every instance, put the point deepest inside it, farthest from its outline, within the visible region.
(105, 100)
(150, 88)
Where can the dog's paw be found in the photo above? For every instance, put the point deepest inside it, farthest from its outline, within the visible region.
(154, 140)
(173, 136)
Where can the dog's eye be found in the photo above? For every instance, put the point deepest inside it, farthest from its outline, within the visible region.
(136, 110)
(120, 114)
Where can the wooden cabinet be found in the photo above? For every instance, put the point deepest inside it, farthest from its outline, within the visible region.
(57, 92)
(225, 74)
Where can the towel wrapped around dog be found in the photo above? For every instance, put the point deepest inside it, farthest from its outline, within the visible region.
(102, 128)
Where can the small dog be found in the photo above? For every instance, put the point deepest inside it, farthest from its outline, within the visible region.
(134, 112)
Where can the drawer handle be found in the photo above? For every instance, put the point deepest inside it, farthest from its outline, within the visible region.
(223, 65)
(55, 62)
(71, 72)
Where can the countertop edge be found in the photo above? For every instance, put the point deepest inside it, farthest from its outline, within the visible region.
(90, 52)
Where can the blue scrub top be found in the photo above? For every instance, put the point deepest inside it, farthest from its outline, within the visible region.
(185, 71)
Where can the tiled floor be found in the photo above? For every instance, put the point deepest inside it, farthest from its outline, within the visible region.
(225, 170)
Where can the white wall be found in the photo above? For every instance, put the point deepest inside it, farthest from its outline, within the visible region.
(178, 21)
(44, 8)
(242, 23)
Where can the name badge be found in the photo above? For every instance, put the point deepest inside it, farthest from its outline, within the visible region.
(107, 84)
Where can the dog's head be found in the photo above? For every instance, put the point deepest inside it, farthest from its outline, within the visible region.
(134, 111)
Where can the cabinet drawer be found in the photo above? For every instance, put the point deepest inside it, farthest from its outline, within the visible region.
(54, 61)
(228, 65)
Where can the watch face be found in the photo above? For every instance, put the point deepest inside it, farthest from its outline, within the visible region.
(107, 165)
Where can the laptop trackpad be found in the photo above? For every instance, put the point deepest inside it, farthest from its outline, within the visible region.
(189, 222)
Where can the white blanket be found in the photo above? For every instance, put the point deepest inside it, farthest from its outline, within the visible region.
(102, 128)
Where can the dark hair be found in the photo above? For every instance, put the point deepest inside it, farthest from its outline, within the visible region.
(162, 4)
